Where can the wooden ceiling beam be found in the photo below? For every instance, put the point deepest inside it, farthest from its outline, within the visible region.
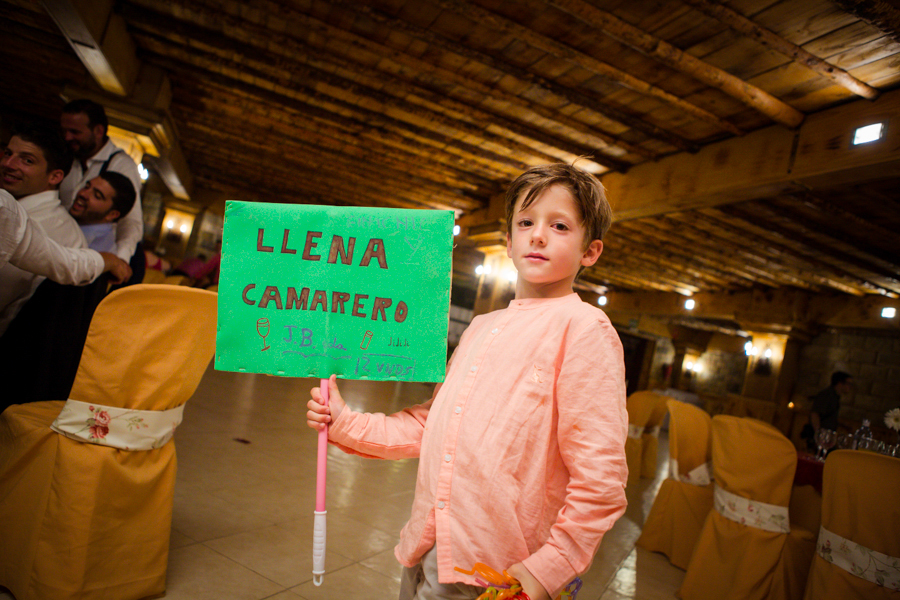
(770, 39)
(402, 136)
(764, 163)
(275, 165)
(609, 71)
(324, 51)
(783, 250)
(669, 55)
(788, 308)
(263, 58)
(805, 236)
(480, 15)
(498, 64)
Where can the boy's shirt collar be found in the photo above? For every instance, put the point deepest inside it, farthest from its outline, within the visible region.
(529, 303)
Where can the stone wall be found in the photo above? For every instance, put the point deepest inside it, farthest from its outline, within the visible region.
(721, 373)
(871, 356)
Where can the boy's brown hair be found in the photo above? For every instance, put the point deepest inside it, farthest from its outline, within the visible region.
(588, 192)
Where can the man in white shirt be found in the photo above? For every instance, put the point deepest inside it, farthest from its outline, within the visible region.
(99, 205)
(84, 126)
(33, 165)
(24, 244)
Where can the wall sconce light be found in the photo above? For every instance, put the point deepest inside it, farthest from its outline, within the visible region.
(483, 270)
(143, 172)
(602, 300)
(455, 230)
(888, 312)
(868, 133)
(511, 275)
(690, 304)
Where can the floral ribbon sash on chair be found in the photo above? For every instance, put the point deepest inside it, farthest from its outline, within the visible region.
(865, 563)
(122, 428)
(700, 475)
(769, 517)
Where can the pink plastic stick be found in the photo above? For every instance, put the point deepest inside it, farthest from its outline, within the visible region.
(322, 465)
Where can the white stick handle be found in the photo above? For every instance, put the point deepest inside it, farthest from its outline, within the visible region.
(319, 547)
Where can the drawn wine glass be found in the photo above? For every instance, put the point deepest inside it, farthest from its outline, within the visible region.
(262, 328)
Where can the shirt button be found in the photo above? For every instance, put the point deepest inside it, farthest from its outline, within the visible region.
(494, 331)
(457, 410)
(447, 458)
(441, 504)
(474, 369)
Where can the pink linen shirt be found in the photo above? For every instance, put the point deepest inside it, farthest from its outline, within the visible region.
(521, 448)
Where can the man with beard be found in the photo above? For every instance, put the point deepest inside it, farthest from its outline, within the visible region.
(99, 206)
(84, 126)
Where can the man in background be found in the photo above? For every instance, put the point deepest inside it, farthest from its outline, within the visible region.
(84, 124)
(98, 207)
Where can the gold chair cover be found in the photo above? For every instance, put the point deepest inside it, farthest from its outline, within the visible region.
(86, 521)
(650, 439)
(680, 508)
(640, 407)
(753, 460)
(860, 500)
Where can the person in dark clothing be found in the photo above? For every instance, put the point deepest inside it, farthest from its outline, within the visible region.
(826, 406)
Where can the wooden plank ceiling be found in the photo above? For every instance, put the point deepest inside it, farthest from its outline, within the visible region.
(440, 103)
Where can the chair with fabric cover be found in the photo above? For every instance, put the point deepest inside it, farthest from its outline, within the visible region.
(154, 276)
(650, 437)
(748, 547)
(640, 406)
(858, 551)
(686, 497)
(81, 518)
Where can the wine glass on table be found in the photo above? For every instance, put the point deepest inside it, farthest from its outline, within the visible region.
(825, 440)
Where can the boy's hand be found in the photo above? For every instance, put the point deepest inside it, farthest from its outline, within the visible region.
(530, 585)
(319, 415)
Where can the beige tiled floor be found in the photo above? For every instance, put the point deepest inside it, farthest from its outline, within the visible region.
(242, 526)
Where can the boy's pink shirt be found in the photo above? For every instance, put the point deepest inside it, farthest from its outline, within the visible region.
(521, 448)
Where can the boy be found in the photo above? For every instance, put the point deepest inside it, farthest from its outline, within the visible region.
(522, 462)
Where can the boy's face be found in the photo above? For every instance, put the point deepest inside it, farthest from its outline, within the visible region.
(547, 244)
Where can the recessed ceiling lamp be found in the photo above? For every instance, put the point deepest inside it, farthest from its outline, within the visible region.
(868, 133)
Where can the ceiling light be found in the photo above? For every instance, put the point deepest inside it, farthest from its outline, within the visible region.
(456, 230)
(512, 275)
(869, 133)
(768, 353)
(602, 300)
(888, 312)
(690, 304)
(170, 224)
(748, 347)
(689, 366)
(479, 270)
(143, 172)
(183, 228)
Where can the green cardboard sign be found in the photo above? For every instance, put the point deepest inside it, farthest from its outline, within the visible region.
(308, 291)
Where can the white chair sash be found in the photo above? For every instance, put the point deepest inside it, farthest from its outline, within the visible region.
(654, 431)
(635, 431)
(122, 428)
(700, 475)
(769, 517)
(865, 563)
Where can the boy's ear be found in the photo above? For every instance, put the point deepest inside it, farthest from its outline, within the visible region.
(508, 246)
(594, 249)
